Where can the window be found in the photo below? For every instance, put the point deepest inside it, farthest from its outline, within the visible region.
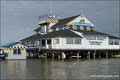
(39, 42)
(77, 41)
(116, 42)
(57, 29)
(43, 42)
(43, 29)
(56, 41)
(19, 51)
(16, 51)
(70, 41)
(49, 41)
(73, 41)
(111, 42)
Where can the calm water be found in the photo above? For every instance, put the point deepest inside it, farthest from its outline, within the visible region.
(58, 69)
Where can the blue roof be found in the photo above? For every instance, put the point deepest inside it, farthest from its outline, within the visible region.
(9, 44)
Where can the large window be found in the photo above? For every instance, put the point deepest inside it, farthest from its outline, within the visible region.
(55, 41)
(49, 41)
(111, 42)
(70, 41)
(73, 41)
(19, 51)
(77, 41)
(114, 42)
(43, 42)
(16, 51)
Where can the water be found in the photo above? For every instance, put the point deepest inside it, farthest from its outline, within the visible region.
(60, 69)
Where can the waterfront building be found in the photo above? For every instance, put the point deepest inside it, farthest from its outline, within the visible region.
(14, 50)
(74, 34)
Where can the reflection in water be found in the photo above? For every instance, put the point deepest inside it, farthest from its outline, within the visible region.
(57, 69)
(13, 68)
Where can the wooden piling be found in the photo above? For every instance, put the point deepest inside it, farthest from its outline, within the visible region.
(111, 54)
(77, 55)
(99, 55)
(94, 55)
(88, 54)
(106, 55)
(53, 55)
(59, 56)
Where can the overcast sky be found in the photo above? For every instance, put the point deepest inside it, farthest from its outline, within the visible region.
(19, 18)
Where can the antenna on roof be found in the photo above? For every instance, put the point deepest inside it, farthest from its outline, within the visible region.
(50, 7)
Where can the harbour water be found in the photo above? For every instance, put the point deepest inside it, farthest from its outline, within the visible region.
(45, 68)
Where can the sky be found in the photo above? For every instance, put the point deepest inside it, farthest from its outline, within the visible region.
(19, 18)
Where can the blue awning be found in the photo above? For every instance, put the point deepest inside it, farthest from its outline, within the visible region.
(32, 48)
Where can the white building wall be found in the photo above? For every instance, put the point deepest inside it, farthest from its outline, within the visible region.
(57, 46)
(16, 56)
(85, 45)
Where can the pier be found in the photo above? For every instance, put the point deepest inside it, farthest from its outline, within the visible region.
(88, 54)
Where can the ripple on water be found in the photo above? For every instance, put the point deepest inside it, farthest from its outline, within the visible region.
(59, 69)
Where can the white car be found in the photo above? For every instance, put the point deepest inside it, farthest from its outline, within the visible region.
(2, 55)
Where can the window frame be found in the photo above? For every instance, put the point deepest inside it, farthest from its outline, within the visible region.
(55, 41)
(111, 42)
(14, 51)
(67, 41)
(17, 51)
(114, 42)
(73, 40)
(78, 40)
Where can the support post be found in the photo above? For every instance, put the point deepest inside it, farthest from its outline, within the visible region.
(71, 55)
(29, 54)
(106, 55)
(33, 54)
(88, 54)
(84, 55)
(59, 57)
(45, 54)
(111, 54)
(99, 55)
(94, 54)
(53, 55)
(77, 55)
(48, 55)
(46, 43)
(63, 55)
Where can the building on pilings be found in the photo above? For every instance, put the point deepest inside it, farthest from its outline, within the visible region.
(75, 33)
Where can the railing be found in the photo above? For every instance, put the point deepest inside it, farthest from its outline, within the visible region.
(48, 46)
(47, 20)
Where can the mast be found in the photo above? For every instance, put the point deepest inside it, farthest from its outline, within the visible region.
(50, 7)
